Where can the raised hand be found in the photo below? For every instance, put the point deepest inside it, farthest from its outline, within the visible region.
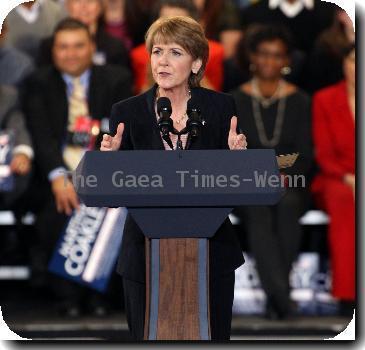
(236, 141)
(110, 143)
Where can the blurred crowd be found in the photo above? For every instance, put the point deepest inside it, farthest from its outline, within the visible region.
(290, 65)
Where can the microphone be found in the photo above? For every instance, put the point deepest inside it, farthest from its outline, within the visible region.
(194, 122)
(165, 124)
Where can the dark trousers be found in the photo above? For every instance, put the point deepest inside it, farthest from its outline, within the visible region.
(48, 227)
(221, 301)
(274, 237)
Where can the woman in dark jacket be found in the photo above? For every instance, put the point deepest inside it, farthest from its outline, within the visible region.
(276, 115)
(179, 53)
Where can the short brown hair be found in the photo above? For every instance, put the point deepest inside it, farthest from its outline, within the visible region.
(185, 32)
(71, 24)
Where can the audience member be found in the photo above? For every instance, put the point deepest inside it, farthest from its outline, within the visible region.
(334, 186)
(12, 126)
(90, 12)
(138, 19)
(58, 98)
(116, 22)
(325, 61)
(275, 114)
(31, 22)
(15, 65)
(220, 20)
(213, 77)
(306, 19)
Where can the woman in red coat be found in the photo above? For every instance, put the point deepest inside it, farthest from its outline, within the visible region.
(334, 140)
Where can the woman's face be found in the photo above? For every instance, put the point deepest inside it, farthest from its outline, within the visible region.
(86, 11)
(349, 68)
(171, 65)
(269, 59)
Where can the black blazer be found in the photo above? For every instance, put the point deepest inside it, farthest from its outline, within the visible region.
(141, 133)
(46, 108)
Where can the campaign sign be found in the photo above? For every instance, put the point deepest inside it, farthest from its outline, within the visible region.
(310, 281)
(88, 248)
(6, 147)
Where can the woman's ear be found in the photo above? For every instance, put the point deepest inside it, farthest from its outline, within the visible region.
(197, 64)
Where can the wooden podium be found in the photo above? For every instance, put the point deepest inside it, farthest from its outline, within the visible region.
(179, 199)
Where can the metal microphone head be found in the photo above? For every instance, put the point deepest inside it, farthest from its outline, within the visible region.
(164, 106)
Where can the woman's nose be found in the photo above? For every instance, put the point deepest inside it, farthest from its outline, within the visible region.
(163, 60)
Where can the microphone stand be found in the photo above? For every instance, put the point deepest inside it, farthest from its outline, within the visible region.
(179, 133)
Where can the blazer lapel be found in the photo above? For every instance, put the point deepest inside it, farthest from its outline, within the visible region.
(154, 135)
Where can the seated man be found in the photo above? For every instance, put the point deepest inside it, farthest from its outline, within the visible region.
(58, 100)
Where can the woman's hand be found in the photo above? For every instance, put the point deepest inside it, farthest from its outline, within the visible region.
(236, 141)
(110, 143)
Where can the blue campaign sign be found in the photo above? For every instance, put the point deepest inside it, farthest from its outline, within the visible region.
(88, 248)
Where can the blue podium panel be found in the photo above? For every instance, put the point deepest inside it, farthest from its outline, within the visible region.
(204, 178)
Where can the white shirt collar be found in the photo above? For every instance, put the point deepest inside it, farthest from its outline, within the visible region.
(32, 14)
(291, 10)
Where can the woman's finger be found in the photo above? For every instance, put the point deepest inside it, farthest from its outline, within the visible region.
(120, 130)
(233, 127)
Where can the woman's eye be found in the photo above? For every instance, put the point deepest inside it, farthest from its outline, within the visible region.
(156, 52)
(176, 53)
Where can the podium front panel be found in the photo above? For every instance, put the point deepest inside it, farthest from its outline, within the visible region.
(204, 178)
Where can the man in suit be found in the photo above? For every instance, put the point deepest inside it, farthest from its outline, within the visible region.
(58, 98)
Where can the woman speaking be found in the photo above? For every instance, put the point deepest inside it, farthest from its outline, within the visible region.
(179, 53)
